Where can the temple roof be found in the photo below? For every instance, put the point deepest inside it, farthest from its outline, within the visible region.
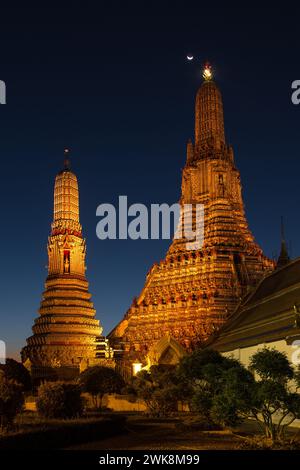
(267, 314)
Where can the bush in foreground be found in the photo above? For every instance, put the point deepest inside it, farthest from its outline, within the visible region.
(160, 388)
(11, 400)
(99, 380)
(16, 371)
(59, 400)
(225, 392)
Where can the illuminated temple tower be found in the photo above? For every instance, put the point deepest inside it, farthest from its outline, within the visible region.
(190, 294)
(64, 334)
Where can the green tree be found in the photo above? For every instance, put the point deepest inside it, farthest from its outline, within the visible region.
(226, 392)
(16, 371)
(59, 400)
(11, 400)
(160, 388)
(208, 373)
(191, 366)
(233, 399)
(273, 365)
(276, 404)
(98, 381)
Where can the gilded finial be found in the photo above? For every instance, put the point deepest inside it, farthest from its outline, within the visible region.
(207, 72)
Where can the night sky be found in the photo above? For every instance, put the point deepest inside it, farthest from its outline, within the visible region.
(113, 84)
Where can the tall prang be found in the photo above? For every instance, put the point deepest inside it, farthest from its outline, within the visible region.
(190, 294)
(65, 333)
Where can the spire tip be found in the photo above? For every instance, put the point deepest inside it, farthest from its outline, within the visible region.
(207, 73)
(67, 163)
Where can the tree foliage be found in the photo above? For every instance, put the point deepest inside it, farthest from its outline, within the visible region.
(276, 402)
(271, 364)
(16, 371)
(98, 381)
(59, 400)
(11, 400)
(191, 366)
(161, 388)
(212, 378)
(224, 391)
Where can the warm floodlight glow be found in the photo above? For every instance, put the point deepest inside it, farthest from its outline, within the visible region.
(136, 367)
(207, 72)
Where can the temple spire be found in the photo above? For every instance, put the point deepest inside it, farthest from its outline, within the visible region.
(209, 119)
(67, 162)
(283, 258)
(66, 199)
(192, 292)
(65, 333)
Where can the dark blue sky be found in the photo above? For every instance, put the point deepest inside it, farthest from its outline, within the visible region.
(113, 84)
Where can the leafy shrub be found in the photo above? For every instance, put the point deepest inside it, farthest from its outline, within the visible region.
(11, 400)
(16, 371)
(59, 400)
(99, 380)
(160, 388)
(225, 392)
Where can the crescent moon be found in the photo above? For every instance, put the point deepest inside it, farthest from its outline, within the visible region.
(189, 57)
